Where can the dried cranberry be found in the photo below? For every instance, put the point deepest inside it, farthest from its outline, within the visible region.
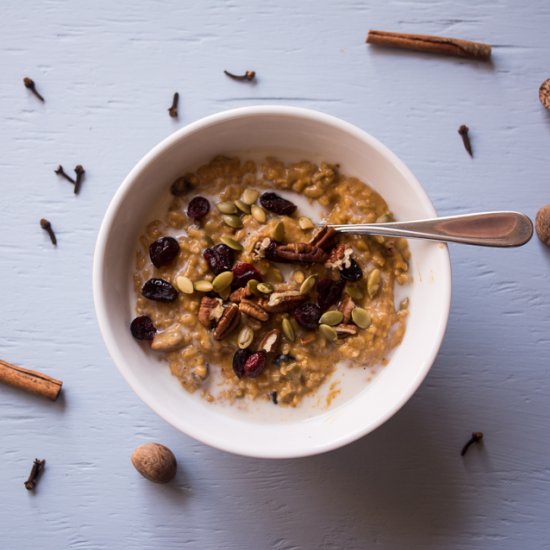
(329, 292)
(308, 315)
(163, 251)
(242, 273)
(276, 204)
(352, 273)
(219, 257)
(159, 290)
(255, 364)
(198, 207)
(239, 359)
(270, 252)
(142, 328)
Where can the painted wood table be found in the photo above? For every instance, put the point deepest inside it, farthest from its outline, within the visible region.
(108, 71)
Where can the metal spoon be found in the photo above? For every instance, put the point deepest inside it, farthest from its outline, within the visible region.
(500, 229)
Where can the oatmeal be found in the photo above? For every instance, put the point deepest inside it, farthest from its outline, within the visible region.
(246, 297)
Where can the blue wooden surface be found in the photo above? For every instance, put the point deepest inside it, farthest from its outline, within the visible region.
(108, 71)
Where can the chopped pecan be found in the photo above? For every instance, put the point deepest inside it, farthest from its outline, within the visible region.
(271, 341)
(253, 310)
(210, 311)
(240, 294)
(325, 238)
(340, 257)
(343, 331)
(280, 302)
(263, 248)
(300, 252)
(346, 306)
(228, 323)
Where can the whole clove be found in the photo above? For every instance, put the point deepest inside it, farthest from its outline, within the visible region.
(37, 467)
(248, 75)
(173, 109)
(30, 85)
(79, 171)
(463, 131)
(476, 438)
(60, 172)
(47, 226)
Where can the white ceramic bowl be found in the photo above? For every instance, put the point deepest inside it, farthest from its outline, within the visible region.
(261, 429)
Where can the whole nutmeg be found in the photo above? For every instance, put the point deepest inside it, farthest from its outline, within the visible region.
(542, 224)
(155, 462)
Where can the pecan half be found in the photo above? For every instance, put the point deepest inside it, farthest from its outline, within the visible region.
(280, 302)
(340, 257)
(240, 294)
(228, 323)
(343, 331)
(325, 238)
(253, 310)
(210, 311)
(300, 252)
(346, 306)
(271, 341)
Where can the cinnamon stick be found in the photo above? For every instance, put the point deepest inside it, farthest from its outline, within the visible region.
(30, 380)
(431, 44)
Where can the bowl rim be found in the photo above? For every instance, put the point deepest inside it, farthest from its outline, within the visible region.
(101, 308)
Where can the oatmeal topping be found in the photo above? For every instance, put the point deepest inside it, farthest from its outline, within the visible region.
(249, 298)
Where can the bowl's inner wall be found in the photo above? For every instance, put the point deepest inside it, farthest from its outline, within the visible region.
(300, 137)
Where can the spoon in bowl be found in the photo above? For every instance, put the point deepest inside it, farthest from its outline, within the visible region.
(499, 229)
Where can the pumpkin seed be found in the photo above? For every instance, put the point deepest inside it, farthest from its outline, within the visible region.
(355, 292)
(265, 288)
(225, 293)
(279, 231)
(373, 283)
(232, 221)
(243, 207)
(184, 284)
(258, 213)
(361, 317)
(245, 337)
(250, 196)
(328, 332)
(299, 277)
(226, 207)
(308, 284)
(203, 286)
(222, 281)
(252, 285)
(331, 318)
(404, 304)
(232, 243)
(288, 330)
(305, 223)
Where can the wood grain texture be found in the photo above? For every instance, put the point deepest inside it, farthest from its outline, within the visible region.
(108, 71)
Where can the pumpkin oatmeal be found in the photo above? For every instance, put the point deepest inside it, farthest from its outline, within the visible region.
(246, 297)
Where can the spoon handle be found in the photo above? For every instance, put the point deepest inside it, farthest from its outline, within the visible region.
(500, 229)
